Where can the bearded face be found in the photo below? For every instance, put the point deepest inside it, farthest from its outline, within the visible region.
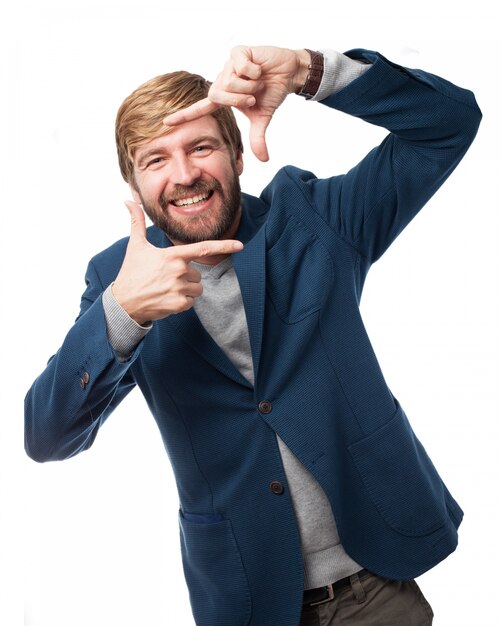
(188, 182)
(199, 212)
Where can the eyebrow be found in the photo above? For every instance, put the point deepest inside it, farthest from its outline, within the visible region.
(152, 152)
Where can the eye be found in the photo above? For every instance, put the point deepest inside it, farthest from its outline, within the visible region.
(155, 161)
(203, 149)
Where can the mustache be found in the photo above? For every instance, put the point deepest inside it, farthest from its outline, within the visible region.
(181, 191)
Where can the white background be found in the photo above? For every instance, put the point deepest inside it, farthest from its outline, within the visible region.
(94, 540)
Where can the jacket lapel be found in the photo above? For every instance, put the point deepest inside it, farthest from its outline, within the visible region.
(250, 270)
(193, 332)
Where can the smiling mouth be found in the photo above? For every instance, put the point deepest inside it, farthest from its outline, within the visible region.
(193, 201)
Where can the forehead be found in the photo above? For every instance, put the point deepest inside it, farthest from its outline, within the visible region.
(182, 135)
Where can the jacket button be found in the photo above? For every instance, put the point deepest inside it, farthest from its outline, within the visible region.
(276, 487)
(84, 380)
(264, 407)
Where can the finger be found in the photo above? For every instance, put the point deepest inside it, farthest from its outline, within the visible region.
(185, 303)
(232, 99)
(193, 112)
(193, 275)
(194, 251)
(137, 221)
(242, 62)
(257, 137)
(235, 85)
(193, 289)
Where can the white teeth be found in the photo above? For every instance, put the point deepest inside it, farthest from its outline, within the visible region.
(193, 200)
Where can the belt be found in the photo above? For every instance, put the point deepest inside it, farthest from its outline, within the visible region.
(313, 597)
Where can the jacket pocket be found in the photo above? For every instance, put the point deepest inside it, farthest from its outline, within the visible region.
(400, 478)
(299, 272)
(219, 591)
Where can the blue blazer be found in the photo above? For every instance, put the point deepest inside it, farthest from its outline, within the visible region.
(309, 244)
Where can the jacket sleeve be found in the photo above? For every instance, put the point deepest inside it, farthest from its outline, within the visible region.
(431, 122)
(81, 385)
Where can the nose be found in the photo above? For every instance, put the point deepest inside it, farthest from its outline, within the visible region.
(183, 170)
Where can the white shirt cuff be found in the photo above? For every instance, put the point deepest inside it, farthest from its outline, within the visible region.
(339, 71)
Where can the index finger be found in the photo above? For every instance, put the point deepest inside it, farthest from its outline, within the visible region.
(193, 112)
(192, 251)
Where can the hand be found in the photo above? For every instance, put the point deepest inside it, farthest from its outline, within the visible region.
(255, 80)
(156, 282)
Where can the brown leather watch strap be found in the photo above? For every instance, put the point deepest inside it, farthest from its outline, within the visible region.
(315, 73)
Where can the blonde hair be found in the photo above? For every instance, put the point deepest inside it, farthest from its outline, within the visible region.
(139, 118)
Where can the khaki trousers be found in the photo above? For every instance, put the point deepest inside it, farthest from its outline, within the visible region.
(372, 601)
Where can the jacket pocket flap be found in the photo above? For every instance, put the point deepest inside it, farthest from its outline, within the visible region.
(400, 478)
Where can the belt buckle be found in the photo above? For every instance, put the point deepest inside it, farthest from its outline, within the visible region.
(330, 596)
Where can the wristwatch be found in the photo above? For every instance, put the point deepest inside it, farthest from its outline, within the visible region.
(315, 73)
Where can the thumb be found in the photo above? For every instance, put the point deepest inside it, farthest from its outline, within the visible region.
(137, 221)
(257, 136)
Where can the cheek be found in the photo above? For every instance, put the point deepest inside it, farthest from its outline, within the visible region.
(152, 190)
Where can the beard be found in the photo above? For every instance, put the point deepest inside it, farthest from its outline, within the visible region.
(195, 228)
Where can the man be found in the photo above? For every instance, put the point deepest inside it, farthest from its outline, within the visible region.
(305, 497)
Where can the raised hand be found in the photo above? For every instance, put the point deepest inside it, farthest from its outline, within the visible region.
(156, 282)
(255, 80)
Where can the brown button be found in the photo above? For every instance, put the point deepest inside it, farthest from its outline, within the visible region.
(276, 487)
(84, 380)
(264, 407)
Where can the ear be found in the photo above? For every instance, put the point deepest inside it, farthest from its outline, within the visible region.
(239, 162)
